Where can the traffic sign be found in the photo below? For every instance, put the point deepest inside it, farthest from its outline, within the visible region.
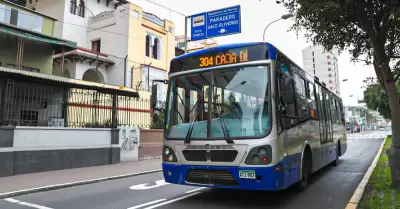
(216, 23)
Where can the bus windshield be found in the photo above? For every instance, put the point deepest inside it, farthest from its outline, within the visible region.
(229, 102)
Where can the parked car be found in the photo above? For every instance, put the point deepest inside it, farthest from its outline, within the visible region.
(381, 129)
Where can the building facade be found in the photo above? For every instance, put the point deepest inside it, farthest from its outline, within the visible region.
(130, 46)
(26, 39)
(323, 64)
(146, 41)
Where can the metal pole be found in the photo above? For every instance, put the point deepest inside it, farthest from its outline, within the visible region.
(148, 77)
(186, 35)
(268, 26)
(62, 62)
(97, 67)
(125, 71)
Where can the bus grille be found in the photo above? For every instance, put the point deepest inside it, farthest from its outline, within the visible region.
(214, 155)
(211, 177)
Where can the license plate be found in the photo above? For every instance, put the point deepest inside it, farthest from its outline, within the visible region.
(246, 174)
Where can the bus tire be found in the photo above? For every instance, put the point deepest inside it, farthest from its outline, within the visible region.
(336, 162)
(306, 171)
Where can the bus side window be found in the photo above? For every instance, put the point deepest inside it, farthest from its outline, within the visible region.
(301, 100)
(287, 102)
(312, 103)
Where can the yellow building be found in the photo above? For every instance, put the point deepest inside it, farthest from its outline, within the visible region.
(154, 50)
(141, 40)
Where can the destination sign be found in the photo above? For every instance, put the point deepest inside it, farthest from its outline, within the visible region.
(216, 57)
(224, 59)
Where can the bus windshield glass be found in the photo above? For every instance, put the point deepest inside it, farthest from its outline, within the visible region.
(223, 103)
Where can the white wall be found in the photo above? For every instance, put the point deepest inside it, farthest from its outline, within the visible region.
(115, 73)
(114, 44)
(111, 41)
(81, 68)
(49, 138)
(72, 27)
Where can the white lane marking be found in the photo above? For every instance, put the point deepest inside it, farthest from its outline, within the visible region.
(173, 200)
(159, 183)
(195, 190)
(26, 203)
(146, 204)
(349, 142)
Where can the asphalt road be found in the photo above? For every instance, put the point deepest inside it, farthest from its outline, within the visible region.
(331, 188)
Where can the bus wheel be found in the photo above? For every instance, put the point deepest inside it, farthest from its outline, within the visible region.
(302, 184)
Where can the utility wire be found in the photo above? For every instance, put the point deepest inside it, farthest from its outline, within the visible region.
(105, 31)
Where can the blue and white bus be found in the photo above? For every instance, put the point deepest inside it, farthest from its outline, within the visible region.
(244, 116)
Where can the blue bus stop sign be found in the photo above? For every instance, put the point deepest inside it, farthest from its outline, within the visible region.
(216, 23)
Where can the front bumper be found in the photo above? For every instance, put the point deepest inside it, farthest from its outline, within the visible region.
(268, 178)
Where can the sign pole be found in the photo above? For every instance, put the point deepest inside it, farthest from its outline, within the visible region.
(186, 35)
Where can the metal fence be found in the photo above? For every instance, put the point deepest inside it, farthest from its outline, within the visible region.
(28, 104)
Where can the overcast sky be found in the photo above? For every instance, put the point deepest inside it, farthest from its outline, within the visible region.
(256, 15)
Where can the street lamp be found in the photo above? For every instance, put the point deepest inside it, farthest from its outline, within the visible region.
(284, 17)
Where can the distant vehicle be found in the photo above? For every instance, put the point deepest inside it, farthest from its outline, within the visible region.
(244, 116)
(381, 129)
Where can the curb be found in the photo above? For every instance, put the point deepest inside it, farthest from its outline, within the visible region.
(71, 184)
(356, 198)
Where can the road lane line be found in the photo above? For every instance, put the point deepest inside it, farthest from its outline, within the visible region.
(26, 203)
(173, 200)
(146, 204)
(195, 190)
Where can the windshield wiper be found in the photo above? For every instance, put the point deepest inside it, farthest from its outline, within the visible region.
(190, 130)
(225, 130)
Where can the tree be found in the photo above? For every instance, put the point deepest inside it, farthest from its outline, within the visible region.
(376, 98)
(370, 31)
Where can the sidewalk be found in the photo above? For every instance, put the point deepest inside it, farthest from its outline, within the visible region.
(36, 181)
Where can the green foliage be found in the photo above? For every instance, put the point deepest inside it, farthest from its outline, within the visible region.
(362, 27)
(97, 124)
(369, 30)
(378, 193)
(376, 98)
(159, 124)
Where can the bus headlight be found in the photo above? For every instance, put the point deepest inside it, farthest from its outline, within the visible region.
(261, 155)
(169, 155)
(262, 152)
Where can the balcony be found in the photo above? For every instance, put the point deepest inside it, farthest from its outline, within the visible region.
(24, 18)
(104, 19)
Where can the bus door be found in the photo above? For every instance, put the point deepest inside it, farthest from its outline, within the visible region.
(329, 116)
(321, 113)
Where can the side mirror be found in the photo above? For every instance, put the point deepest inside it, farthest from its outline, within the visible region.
(153, 96)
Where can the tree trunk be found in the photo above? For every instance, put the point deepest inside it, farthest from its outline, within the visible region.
(394, 151)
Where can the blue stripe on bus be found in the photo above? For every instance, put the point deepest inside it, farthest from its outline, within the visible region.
(271, 49)
(272, 179)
